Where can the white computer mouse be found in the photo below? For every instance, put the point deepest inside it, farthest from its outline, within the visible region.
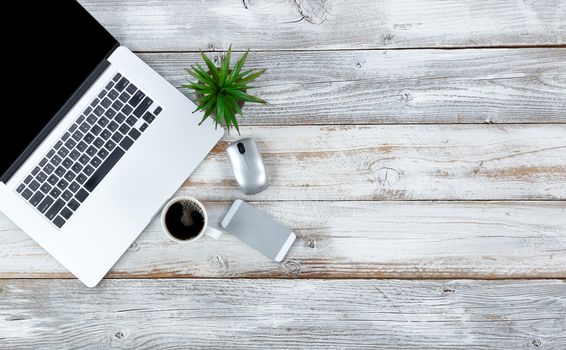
(248, 166)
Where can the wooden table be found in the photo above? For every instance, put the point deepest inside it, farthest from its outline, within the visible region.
(416, 147)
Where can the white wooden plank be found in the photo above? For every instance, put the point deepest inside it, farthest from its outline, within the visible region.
(399, 86)
(345, 240)
(283, 314)
(331, 24)
(395, 162)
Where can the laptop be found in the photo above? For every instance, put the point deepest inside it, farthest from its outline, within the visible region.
(101, 143)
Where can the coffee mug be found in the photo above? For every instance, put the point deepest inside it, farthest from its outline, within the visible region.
(185, 219)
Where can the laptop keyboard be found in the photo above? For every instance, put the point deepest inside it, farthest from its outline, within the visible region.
(88, 150)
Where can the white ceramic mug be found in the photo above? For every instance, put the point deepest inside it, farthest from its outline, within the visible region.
(206, 229)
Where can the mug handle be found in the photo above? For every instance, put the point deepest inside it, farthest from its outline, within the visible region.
(213, 232)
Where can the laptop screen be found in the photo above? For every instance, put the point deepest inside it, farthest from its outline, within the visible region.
(47, 55)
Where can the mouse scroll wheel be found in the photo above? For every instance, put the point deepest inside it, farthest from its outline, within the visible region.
(241, 148)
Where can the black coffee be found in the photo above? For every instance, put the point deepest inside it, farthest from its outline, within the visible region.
(184, 220)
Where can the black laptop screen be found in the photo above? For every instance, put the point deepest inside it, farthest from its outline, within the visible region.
(48, 54)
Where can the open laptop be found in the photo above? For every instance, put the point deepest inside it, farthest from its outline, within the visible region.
(100, 144)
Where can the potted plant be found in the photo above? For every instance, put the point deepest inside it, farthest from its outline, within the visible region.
(222, 91)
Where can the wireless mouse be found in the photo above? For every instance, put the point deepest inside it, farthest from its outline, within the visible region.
(247, 166)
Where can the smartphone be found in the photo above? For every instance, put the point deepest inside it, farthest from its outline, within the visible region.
(259, 230)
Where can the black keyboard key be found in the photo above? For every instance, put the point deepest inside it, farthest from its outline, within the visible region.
(69, 176)
(157, 110)
(65, 136)
(105, 103)
(143, 127)
(55, 192)
(102, 94)
(53, 179)
(74, 154)
(116, 77)
(131, 89)
(37, 197)
(67, 195)
(102, 153)
(59, 221)
(99, 110)
(91, 151)
(91, 119)
(96, 130)
(88, 170)
(55, 208)
(117, 137)
(87, 111)
(20, 188)
(77, 135)
(109, 85)
(88, 138)
(67, 163)
(45, 204)
(103, 121)
(117, 105)
(120, 118)
(66, 213)
(58, 145)
(148, 117)
(134, 134)
(77, 168)
(73, 204)
(35, 170)
(106, 166)
(60, 171)
(95, 162)
(43, 162)
(110, 145)
(62, 184)
(50, 153)
(81, 195)
(126, 143)
(41, 177)
(82, 146)
(136, 99)
(83, 117)
(73, 128)
(113, 126)
(70, 144)
(62, 152)
(28, 179)
(48, 169)
(124, 129)
(105, 134)
(110, 113)
(95, 102)
(142, 108)
(113, 94)
(124, 97)
(56, 160)
(34, 185)
(45, 188)
(98, 142)
(74, 187)
(130, 121)
(27, 193)
(127, 109)
(84, 159)
(81, 178)
(121, 85)
(84, 127)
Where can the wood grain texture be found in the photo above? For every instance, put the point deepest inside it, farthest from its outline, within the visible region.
(345, 240)
(333, 24)
(395, 87)
(271, 314)
(412, 162)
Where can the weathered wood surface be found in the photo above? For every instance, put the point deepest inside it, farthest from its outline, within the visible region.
(399, 86)
(332, 24)
(396, 162)
(279, 314)
(345, 240)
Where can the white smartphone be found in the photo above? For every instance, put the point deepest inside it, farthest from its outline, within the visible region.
(259, 230)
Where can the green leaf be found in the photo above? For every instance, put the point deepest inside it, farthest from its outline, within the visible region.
(238, 67)
(233, 104)
(245, 97)
(220, 108)
(211, 67)
(252, 76)
(224, 67)
(206, 104)
(197, 74)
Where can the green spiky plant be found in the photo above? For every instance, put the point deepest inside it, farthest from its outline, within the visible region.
(222, 91)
